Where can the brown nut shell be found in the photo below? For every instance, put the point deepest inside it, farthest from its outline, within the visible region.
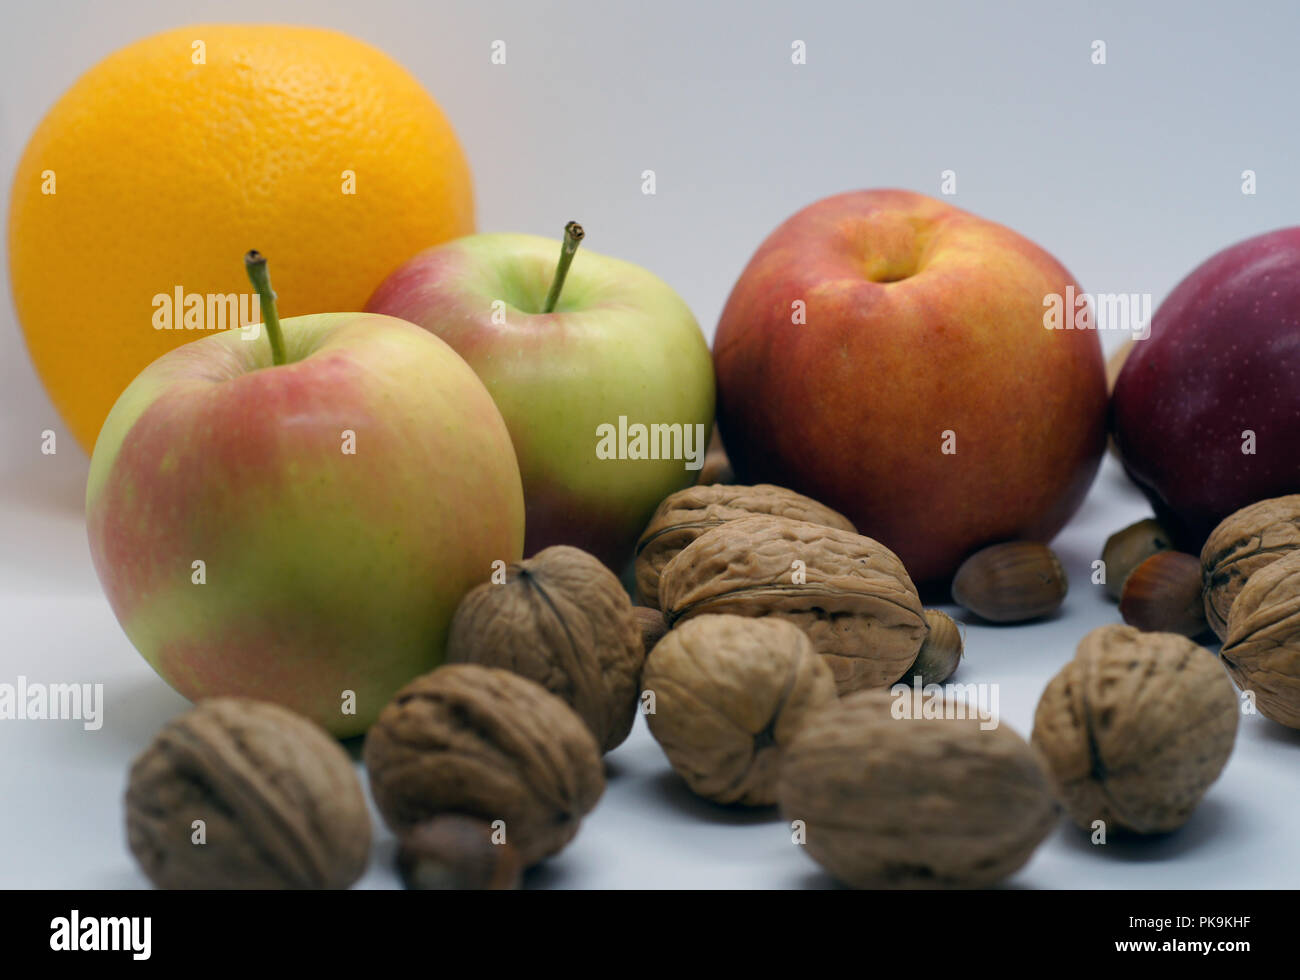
(1241, 545)
(850, 594)
(1262, 652)
(485, 743)
(280, 802)
(908, 801)
(652, 625)
(562, 619)
(455, 852)
(1163, 595)
(941, 651)
(685, 515)
(1128, 548)
(1135, 729)
(730, 692)
(1011, 582)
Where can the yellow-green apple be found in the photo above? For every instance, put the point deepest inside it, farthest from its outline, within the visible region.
(1206, 411)
(577, 358)
(293, 521)
(890, 355)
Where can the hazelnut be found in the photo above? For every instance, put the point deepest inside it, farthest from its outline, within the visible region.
(730, 692)
(652, 625)
(1163, 595)
(1011, 582)
(485, 743)
(1126, 549)
(279, 801)
(452, 851)
(1136, 728)
(940, 652)
(564, 620)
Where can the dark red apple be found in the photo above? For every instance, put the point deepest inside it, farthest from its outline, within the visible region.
(1206, 411)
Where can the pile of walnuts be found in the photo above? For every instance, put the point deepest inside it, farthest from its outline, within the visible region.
(765, 652)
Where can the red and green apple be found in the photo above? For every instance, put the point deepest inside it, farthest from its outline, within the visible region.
(296, 520)
(572, 355)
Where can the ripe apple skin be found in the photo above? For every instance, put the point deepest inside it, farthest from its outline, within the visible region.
(325, 572)
(620, 342)
(920, 319)
(1223, 357)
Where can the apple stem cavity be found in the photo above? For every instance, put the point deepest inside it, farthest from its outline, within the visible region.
(573, 234)
(255, 263)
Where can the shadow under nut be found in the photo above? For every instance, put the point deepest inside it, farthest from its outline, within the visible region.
(849, 593)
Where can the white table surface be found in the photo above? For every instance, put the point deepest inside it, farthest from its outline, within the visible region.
(61, 825)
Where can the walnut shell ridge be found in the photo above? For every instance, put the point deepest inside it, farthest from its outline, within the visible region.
(851, 594)
(914, 802)
(1262, 652)
(1136, 728)
(564, 620)
(280, 800)
(730, 693)
(486, 743)
(683, 516)
(1242, 544)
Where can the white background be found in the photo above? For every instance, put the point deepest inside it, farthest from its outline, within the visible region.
(1129, 173)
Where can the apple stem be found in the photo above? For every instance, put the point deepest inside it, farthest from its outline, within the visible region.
(255, 263)
(572, 236)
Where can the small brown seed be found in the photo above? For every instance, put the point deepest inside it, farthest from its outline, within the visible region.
(1011, 582)
(1163, 595)
(941, 652)
(451, 851)
(652, 624)
(1127, 549)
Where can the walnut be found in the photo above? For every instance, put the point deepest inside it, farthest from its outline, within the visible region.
(486, 743)
(564, 620)
(1241, 545)
(850, 594)
(684, 516)
(890, 798)
(1135, 729)
(730, 692)
(1262, 652)
(280, 802)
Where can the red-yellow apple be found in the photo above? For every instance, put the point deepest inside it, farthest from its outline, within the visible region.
(292, 524)
(889, 355)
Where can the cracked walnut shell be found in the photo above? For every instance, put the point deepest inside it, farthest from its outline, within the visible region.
(562, 619)
(730, 692)
(1262, 652)
(904, 800)
(850, 594)
(280, 802)
(1245, 542)
(1136, 728)
(685, 515)
(486, 743)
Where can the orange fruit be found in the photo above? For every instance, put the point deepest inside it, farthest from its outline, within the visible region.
(171, 158)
